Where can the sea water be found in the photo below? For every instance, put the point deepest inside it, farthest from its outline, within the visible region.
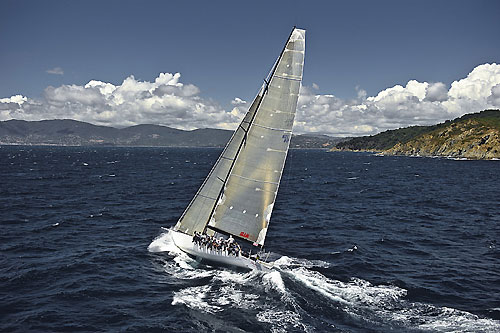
(361, 243)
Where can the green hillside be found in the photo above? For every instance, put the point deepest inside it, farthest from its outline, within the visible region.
(488, 119)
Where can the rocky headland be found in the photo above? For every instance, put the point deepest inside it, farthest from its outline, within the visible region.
(470, 139)
(472, 136)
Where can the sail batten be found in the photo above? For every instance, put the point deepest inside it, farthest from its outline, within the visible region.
(204, 196)
(255, 180)
(288, 78)
(274, 129)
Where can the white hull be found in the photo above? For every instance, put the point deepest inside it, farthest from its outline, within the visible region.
(185, 243)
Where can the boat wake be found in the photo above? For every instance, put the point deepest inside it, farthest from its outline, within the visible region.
(164, 243)
(297, 297)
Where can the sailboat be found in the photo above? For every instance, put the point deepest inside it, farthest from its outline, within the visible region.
(236, 199)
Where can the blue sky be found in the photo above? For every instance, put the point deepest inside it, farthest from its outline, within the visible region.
(354, 50)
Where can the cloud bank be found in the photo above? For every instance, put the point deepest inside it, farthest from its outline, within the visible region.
(416, 103)
(167, 101)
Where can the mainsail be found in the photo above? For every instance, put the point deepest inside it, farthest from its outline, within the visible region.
(238, 195)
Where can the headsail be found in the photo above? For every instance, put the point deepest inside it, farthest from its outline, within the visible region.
(238, 195)
(198, 212)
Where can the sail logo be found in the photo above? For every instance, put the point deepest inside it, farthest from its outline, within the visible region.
(244, 234)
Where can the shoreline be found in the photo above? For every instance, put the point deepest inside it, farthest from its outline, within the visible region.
(448, 157)
(127, 146)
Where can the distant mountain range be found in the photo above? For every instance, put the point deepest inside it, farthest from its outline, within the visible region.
(76, 133)
(474, 136)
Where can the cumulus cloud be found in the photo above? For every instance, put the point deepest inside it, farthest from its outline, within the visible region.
(436, 92)
(361, 93)
(416, 103)
(18, 99)
(240, 107)
(165, 101)
(494, 98)
(55, 71)
(238, 101)
(168, 101)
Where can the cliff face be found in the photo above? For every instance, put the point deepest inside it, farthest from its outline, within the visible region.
(471, 138)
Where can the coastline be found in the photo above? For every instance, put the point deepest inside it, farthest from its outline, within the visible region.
(441, 156)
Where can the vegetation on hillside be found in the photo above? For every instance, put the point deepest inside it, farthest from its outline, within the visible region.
(488, 119)
(470, 139)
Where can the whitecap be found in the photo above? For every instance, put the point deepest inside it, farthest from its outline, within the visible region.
(274, 280)
(229, 296)
(163, 243)
(282, 320)
(228, 275)
(385, 304)
(194, 298)
(285, 262)
(182, 266)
